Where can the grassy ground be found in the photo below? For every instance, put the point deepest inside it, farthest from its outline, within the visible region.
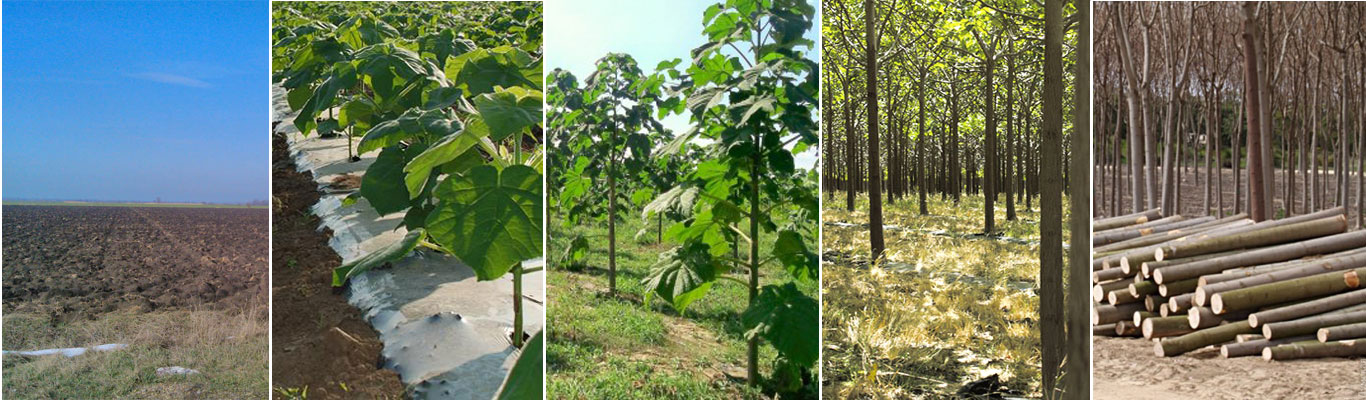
(228, 348)
(603, 347)
(130, 204)
(946, 308)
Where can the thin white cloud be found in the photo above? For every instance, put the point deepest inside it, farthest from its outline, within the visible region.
(170, 79)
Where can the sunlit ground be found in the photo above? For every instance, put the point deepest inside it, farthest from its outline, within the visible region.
(945, 308)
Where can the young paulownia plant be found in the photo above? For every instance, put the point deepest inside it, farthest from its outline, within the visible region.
(750, 93)
(612, 144)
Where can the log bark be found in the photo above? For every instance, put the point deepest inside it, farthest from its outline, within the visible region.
(1285, 291)
(1126, 220)
(1099, 291)
(1154, 328)
(1119, 297)
(1203, 317)
(1164, 225)
(1255, 238)
(1204, 293)
(1180, 303)
(1154, 265)
(1254, 347)
(1154, 303)
(1289, 251)
(1291, 312)
(1311, 325)
(1344, 348)
(1139, 316)
(1126, 328)
(1178, 287)
(1154, 239)
(1174, 346)
(1104, 314)
(1142, 288)
(1342, 332)
(1109, 274)
(1103, 330)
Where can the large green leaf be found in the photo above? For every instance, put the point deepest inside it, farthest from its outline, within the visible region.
(791, 250)
(489, 219)
(429, 125)
(527, 378)
(447, 149)
(481, 70)
(683, 275)
(382, 184)
(388, 253)
(509, 111)
(788, 319)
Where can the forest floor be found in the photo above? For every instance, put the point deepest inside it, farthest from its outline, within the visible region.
(947, 307)
(620, 347)
(1192, 200)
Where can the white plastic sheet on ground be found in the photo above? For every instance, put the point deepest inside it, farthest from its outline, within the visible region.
(443, 331)
(67, 352)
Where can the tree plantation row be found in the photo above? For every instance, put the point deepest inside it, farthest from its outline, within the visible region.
(966, 98)
(1222, 108)
(723, 194)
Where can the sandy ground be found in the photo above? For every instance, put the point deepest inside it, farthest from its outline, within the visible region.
(1126, 368)
(1193, 193)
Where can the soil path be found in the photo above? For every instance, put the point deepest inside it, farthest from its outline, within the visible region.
(320, 341)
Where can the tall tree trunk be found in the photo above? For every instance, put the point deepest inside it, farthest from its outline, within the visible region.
(1009, 180)
(920, 144)
(1078, 381)
(1051, 330)
(1256, 179)
(874, 169)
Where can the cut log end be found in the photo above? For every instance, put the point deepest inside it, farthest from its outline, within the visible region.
(1266, 354)
(1216, 303)
(1252, 320)
(1323, 335)
(1159, 255)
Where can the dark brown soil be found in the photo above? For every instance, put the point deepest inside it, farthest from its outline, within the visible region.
(319, 341)
(82, 261)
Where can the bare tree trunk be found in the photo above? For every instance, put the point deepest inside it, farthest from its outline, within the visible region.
(874, 169)
(1051, 293)
(1256, 170)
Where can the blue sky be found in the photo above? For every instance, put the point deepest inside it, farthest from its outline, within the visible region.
(578, 34)
(129, 101)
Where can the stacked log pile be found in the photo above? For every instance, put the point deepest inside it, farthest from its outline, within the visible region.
(1283, 289)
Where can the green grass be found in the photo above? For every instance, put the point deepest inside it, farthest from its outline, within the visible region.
(618, 348)
(229, 349)
(943, 310)
(109, 204)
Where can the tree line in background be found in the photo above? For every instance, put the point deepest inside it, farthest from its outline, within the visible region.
(1263, 99)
